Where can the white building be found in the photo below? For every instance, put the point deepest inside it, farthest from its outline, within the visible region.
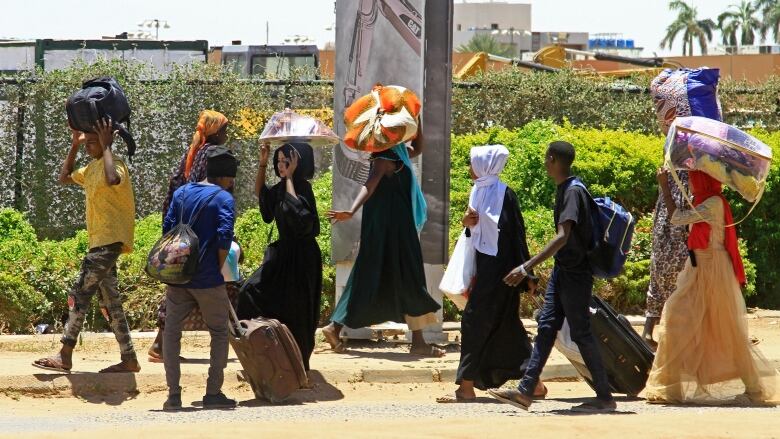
(508, 23)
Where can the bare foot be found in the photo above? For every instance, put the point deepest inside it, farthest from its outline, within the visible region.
(333, 340)
(540, 392)
(427, 350)
(459, 397)
(126, 366)
(57, 363)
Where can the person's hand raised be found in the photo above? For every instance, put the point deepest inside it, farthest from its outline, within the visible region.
(265, 152)
(293, 165)
(77, 137)
(105, 132)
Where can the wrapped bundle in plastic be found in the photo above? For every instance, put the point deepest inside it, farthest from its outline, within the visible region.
(685, 92)
(382, 119)
(290, 127)
(727, 154)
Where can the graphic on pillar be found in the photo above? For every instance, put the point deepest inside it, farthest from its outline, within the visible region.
(384, 41)
(407, 21)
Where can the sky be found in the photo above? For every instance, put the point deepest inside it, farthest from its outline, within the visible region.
(226, 20)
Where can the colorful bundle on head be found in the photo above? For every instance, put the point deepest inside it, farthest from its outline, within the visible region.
(382, 119)
(722, 151)
(685, 92)
(209, 123)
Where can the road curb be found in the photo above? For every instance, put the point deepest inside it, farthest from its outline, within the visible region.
(83, 384)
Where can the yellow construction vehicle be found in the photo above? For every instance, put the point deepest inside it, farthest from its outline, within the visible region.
(554, 58)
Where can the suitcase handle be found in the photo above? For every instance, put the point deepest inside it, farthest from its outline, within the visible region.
(236, 330)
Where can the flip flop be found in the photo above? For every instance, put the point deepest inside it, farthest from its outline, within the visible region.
(118, 368)
(60, 369)
(447, 399)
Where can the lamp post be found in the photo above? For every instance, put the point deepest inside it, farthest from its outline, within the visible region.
(155, 23)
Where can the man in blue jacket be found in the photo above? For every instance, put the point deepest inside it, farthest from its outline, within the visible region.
(208, 207)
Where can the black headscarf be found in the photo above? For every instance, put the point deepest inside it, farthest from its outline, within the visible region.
(305, 169)
(221, 162)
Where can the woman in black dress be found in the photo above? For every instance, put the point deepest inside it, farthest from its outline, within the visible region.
(494, 344)
(387, 282)
(288, 284)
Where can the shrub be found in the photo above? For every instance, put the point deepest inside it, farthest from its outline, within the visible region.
(621, 165)
(140, 293)
(14, 225)
(20, 304)
(615, 163)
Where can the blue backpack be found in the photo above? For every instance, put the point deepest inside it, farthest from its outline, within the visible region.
(613, 229)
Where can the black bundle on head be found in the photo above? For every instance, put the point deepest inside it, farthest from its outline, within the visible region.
(305, 169)
(562, 152)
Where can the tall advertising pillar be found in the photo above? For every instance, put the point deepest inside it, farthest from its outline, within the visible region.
(395, 42)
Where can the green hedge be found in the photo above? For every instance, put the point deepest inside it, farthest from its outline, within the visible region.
(165, 111)
(613, 162)
(514, 97)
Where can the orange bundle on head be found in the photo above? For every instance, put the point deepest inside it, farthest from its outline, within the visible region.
(382, 119)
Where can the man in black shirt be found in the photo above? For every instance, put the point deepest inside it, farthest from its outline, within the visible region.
(569, 290)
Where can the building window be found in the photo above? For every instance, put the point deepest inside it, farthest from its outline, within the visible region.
(494, 26)
(458, 27)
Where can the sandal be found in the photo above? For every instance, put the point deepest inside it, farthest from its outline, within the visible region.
(53, 364)
(454, 399)
(429, 351)
(122, 367)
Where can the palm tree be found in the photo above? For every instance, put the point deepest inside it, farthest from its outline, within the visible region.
(486, 43)
(770, 18)
(691, 27)
(740, 18)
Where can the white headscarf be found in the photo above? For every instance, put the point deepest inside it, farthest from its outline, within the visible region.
(487, 195)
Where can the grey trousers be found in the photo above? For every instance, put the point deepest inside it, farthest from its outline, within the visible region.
(213, 304)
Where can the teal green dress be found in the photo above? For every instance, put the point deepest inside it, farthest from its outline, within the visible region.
(387, 281)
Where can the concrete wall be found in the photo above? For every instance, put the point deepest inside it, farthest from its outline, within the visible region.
(753, 68)
(483, 15)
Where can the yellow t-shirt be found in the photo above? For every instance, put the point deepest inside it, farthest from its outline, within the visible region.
(110, 209)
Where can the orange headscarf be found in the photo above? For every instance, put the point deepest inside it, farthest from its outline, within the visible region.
(703, 187)
(209, 123)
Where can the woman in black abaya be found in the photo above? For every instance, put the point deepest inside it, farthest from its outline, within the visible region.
(495, 344)
(288, 284)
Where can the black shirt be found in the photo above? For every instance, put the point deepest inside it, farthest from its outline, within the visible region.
(572, 204)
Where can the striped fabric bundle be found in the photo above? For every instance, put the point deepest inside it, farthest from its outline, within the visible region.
(382, 119)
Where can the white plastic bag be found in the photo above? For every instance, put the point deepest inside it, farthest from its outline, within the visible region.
(566, 345)
(456, 282)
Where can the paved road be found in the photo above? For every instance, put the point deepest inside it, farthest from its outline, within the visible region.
(362, 404)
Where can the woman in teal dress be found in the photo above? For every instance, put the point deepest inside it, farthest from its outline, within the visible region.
(387, 282)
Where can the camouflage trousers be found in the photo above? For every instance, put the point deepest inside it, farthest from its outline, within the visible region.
(98, 275)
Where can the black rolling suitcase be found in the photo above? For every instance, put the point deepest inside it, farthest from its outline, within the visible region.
(626, 357)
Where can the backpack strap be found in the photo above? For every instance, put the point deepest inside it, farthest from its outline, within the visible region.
(194, 217)
(593, 211)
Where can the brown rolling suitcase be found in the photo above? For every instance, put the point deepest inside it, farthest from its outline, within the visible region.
(271, 359)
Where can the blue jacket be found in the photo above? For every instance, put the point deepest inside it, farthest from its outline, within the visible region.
(214, 227)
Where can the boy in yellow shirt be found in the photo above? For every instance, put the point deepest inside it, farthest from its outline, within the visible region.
(110, 224)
